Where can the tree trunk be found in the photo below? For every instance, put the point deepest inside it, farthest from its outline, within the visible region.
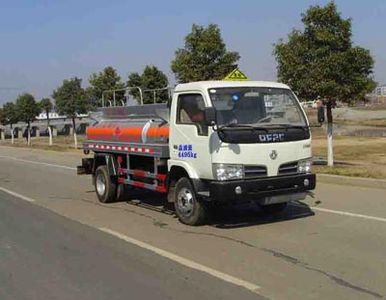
(50, 135)
(49, 129)
(74, 132)
(28, 134)
(12, 135)
(330, 151)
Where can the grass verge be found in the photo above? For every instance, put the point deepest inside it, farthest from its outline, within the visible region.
(60, 143)
(366, 156)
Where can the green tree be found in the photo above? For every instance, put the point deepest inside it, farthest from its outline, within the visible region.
(204, 56)
(11, 114)
(3, 121)
(321, 61)
(102, 82)
(152, 82)
(12, 117)
(27, 109)
(46, 106)
(70, 100)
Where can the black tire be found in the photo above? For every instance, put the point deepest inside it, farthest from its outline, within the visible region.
(105, 188)
(123, 192)
(188, 209)
(274, 208)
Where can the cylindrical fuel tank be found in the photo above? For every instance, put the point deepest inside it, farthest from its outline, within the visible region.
(136, 124)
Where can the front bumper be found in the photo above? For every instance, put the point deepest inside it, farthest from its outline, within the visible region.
(261, 189)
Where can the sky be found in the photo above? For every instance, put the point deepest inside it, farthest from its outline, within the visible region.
(43, 42)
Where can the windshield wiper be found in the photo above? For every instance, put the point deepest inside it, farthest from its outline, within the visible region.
(289, 126)
(266, 127)
(235, 126)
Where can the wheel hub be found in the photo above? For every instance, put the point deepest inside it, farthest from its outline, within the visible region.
(100, 184)
(185, 201)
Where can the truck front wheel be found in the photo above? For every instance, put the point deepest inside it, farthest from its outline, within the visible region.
(105, 188)
(188, 209)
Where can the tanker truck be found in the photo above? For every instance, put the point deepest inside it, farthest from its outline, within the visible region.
(213, 143)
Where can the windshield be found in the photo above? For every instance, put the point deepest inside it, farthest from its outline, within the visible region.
(256, 106)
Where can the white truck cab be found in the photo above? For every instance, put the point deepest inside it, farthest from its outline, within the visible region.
(245, 140)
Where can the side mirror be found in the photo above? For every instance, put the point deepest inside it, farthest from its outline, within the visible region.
(321, 117)
(210, 116)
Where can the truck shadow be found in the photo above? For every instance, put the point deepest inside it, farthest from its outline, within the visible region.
(251, 215)
(227, 217)
(150, 200)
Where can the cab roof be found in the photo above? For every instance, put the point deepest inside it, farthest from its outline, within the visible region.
(204, 85)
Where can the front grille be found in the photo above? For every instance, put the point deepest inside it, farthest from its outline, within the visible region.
(288, 168)
(255, 171)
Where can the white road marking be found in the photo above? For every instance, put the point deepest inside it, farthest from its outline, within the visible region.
(37, 162)
(17, 195)
(345, 213)
(194, 265)
(184, 261)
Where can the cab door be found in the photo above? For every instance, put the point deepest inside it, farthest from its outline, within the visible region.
(189, 136)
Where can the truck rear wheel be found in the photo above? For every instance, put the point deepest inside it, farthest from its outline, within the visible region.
(123, 192)
(188, 209)
(105, 188)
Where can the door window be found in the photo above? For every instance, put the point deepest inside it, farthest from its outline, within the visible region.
(190, 111)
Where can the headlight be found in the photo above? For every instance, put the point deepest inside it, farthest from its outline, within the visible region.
(227, 172)
(305, 166)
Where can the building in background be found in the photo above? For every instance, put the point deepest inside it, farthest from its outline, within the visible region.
(378, 96)
(380, 91)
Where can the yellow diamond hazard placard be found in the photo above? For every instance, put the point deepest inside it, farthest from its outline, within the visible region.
(236, 75)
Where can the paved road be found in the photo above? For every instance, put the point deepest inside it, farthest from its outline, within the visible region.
(46, 256)
(331, 246)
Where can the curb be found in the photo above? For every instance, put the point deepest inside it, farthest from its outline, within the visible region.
(356, 181)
